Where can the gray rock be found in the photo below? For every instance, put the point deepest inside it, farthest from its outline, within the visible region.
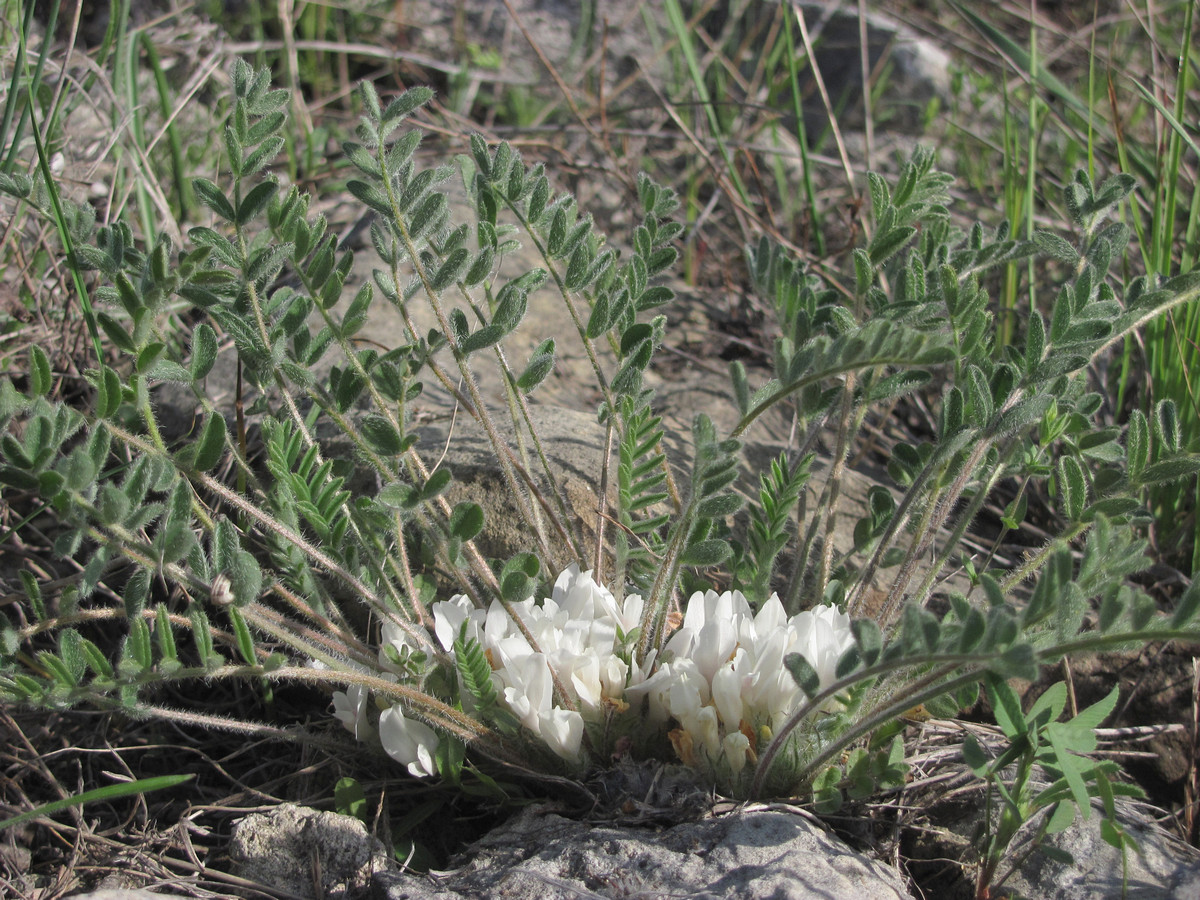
(1163, 867)
(758, 853)
(915, 70)
(306, 852)
(574, 445)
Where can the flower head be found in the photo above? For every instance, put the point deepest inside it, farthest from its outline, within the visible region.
(718, 687)
(725, 679)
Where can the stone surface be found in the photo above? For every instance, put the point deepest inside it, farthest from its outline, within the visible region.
(747, 855)
(1163, 868)
(914, 70)
(306, 852)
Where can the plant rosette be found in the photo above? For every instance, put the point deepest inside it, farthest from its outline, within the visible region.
(714, 695)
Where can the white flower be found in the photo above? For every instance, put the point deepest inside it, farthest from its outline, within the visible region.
(409, 742)
(725, 679)
(529, 696)
(350, 708)
(562, 730)
(736, 747)
(579, 594)
(449, 616)
(722, 678)
(822, 636)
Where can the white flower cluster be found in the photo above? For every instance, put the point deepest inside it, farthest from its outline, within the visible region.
(724, 682)
(721, 680)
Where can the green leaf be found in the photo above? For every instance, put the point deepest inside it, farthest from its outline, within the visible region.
(241, 632)
(466, 520)
(1023, 415)
(481, 267)
(485, 337)
(476, 671)
(803, 673)
(211, 446)
(1137, 444)
(97, 661)
(41, 379)
(108, 393)
(262, 156)
(1092, 717)
(1169, 470)
(436, 484)
(405, 105)
(350, 800)
(220, 245)
(974, 756)
(451, 270)
(827, 795)
(164, 636)
(600, 317)
(1017, 662)
(869, 639)
(245, 578)
(1061, 817)
(518, 578)
(212, 197)
(204, 351)
(1056, 246)
(256, 200)
(1070, 765)
(116, 332)
(370, 196)
(704, 554)
(1006, 706)
(539, 367)
(380, 436)
(202, 636)
(1166, 425)
(1049, 706)
(103, 794)
(864, 272)
(887, 244)
(136, 656)
(719, 507)
(1072, 487)
(1111, 508)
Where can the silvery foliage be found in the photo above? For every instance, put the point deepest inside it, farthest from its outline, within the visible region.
(218, 559)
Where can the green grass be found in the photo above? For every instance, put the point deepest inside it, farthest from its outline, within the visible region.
(1117, 109)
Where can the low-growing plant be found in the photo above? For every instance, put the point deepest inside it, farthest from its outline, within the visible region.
(253, 554)
(1039, 743)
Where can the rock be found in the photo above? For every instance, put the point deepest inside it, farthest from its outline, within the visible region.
(306, 852)
(574, 445)
(915, 71)
(748, 854)
(1163, 866)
